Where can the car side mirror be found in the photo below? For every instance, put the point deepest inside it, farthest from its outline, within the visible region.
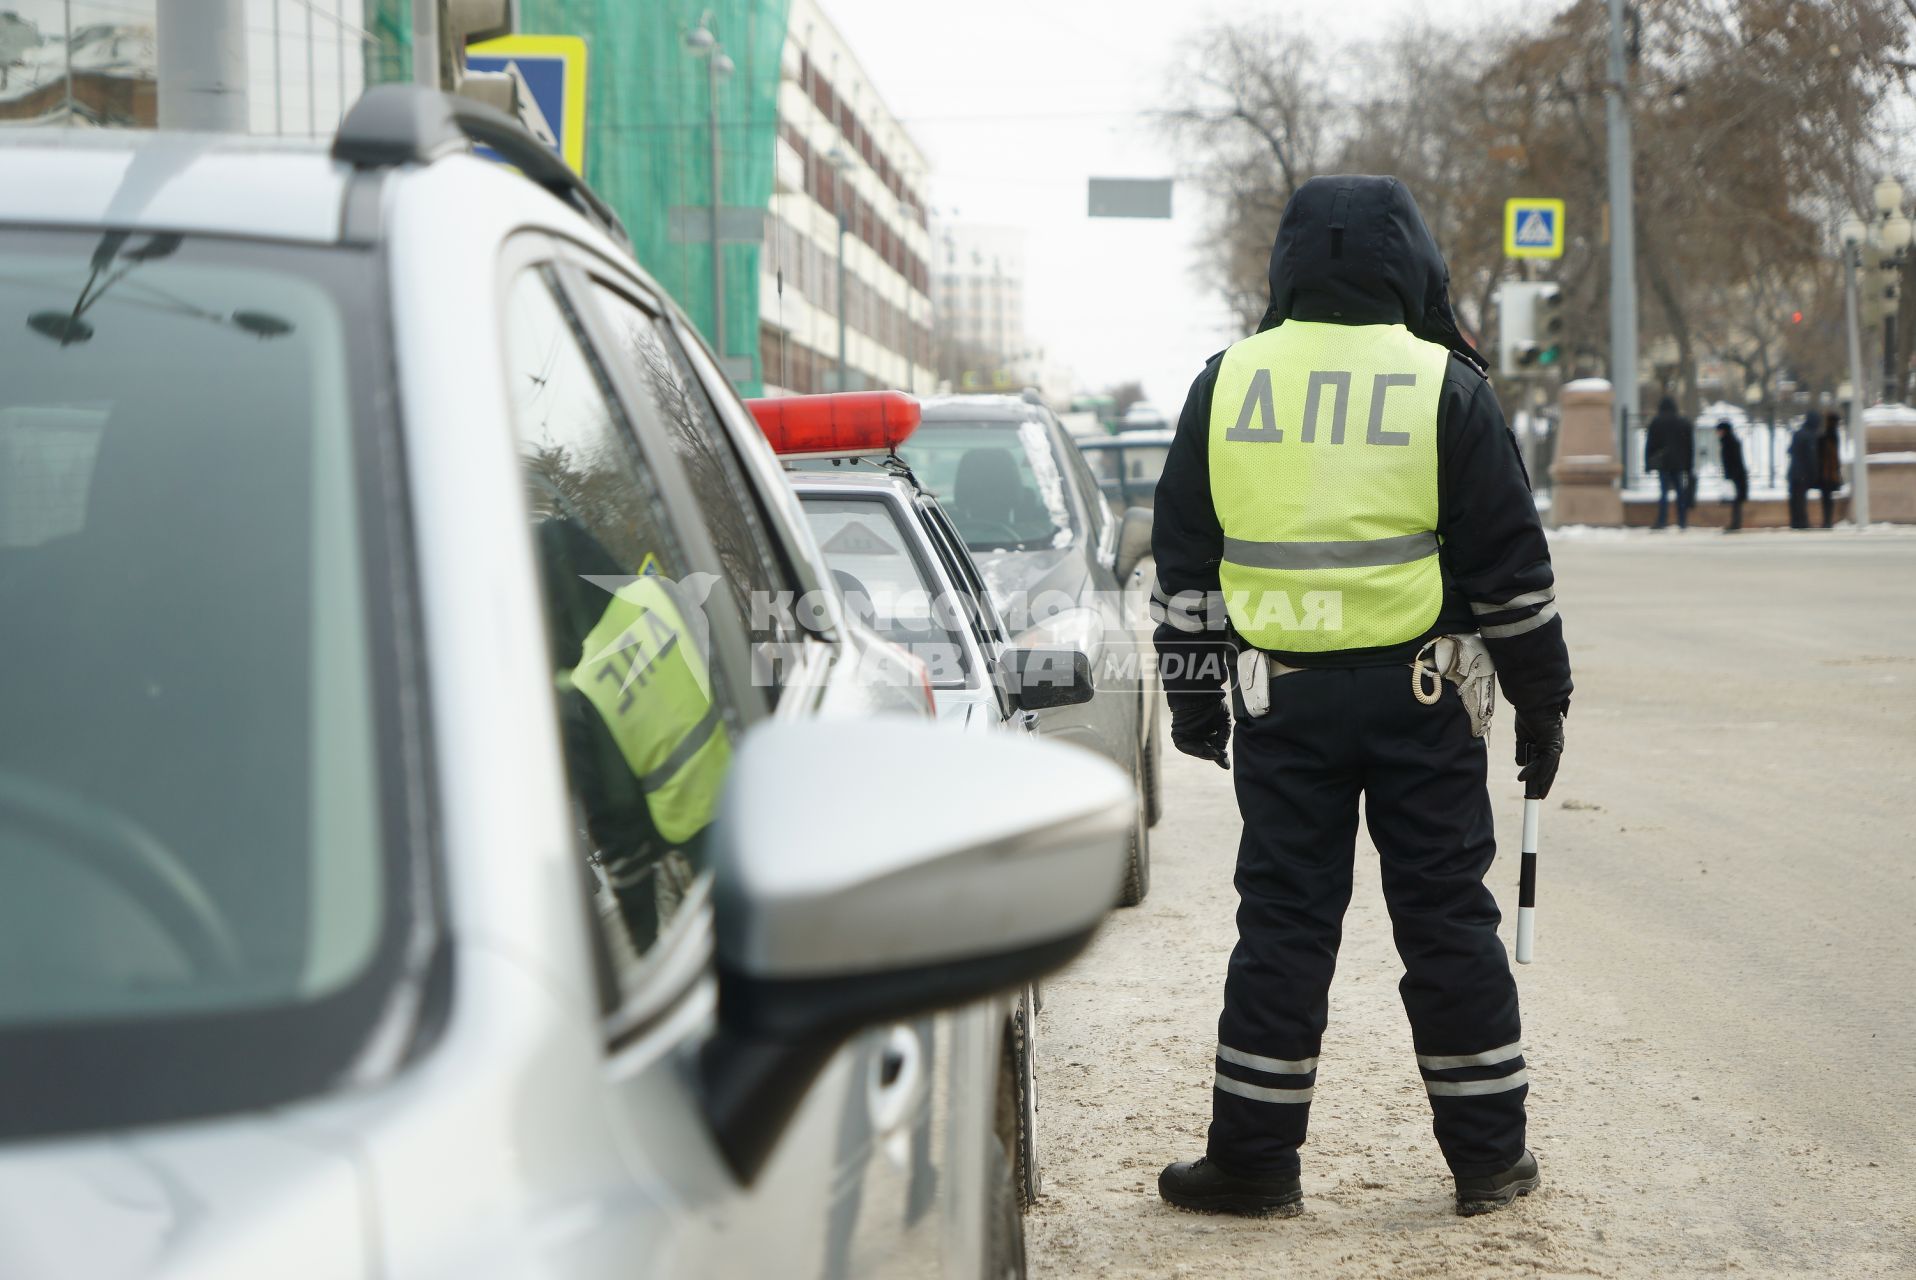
(1134, 540)
(964, 865)
(1042, 678)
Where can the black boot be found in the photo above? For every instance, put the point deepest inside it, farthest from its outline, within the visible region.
(1201, 1186)
(1494, 1191)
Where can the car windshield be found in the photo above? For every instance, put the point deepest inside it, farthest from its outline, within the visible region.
(192, 828)
(1001, 482)
(887, 583)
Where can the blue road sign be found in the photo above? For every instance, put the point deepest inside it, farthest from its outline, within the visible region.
(551, 73)
(1533, 228)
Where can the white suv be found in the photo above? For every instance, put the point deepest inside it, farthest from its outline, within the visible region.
(421, 857)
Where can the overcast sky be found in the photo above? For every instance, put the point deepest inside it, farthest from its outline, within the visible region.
(1018, 102)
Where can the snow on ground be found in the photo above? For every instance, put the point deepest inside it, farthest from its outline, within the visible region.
(1717, 1026)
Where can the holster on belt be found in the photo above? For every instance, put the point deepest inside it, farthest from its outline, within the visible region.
(1255, 671)
(1464, 661)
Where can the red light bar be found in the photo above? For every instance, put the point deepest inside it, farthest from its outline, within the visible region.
(836, 425)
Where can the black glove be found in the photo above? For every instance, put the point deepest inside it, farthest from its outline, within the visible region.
(1539, 748)
(1204, 732)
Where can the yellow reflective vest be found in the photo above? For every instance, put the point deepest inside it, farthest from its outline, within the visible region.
(641, 670)
(1323, 463)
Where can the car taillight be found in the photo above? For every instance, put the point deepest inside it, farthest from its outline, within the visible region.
(836, 425)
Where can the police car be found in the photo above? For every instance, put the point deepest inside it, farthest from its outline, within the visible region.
(904, 569)
(380, 550)
(902, 566)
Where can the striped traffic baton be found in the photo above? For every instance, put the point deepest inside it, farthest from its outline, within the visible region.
(1527, 880)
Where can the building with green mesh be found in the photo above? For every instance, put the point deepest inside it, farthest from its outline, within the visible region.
(803, 135)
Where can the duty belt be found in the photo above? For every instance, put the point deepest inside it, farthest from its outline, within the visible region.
(1463, 660)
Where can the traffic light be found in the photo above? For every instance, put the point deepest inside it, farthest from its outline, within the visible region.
(1515, 335)
(1529, 326)
(1547, 316)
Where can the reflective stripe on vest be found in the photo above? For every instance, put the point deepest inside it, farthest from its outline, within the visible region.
(641, 670)
(1323, 459)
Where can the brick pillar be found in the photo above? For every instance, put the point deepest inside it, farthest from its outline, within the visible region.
(1587, 466)
(1892, 463)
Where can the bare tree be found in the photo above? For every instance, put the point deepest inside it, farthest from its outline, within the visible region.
(1252, 135)
(1755, 122)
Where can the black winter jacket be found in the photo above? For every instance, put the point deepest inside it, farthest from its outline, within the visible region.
(1670, 442)
(1734, 469)
(1355, 251)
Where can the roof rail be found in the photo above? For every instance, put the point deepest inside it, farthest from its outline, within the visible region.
(395, 124)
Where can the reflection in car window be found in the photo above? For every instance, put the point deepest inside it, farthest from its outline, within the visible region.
(1000, 482)
(752, 567)
(647, 719)
(886, 584)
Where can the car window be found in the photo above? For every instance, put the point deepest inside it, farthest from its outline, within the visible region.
(1092, 494)
(751, 565)
(646, 713)
(1001, 482)
(1107, 464)
(963, 569)
(887, 583)
(194, 844)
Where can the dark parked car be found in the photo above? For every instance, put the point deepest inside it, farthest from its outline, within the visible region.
(1065, 568)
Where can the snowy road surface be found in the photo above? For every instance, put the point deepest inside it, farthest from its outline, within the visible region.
(1719, 1024)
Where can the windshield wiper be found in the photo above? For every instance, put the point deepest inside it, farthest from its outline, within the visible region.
(70, 327)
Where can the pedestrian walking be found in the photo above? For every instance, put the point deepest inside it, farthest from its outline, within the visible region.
(1805, 444)
(1829, 466)
(1730, 450)
(1345, 531)
(1669, 449)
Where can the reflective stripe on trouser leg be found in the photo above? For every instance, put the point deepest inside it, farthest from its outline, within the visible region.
(1298, 797)
(1429, 815)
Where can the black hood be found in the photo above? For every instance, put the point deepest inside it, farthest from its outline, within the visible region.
(1355, 250)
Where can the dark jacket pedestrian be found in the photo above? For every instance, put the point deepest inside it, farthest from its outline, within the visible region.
(1805, 445)
(1829, 465)
(1730, 450)
(1669, 449)
(1341, 508)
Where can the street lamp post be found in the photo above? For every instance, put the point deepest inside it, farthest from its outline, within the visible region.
(701, 43)
(1853, 235)
(841, 163)
(1893, 237)
(1623, 246)
(1888, 235)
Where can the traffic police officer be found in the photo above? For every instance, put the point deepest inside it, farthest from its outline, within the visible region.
(1342, 515)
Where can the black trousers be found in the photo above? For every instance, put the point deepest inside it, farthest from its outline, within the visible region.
(1331, 736)
(1799, 508)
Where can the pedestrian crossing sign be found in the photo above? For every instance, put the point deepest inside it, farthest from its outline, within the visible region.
(1533, 228)
(551, 75)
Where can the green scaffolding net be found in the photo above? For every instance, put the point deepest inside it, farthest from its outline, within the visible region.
(648, 133)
